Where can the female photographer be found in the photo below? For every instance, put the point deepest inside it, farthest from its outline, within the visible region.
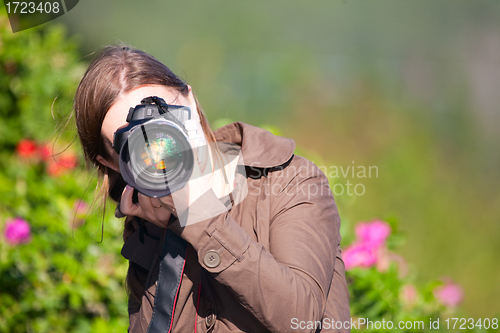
(251, 243)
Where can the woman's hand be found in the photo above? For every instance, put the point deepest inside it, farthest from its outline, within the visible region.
(154, 212)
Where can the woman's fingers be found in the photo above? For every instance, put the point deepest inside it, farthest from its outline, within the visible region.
(145, 208)
(145, 203)
(127, 207)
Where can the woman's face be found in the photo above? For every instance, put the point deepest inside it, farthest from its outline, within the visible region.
(117, 113)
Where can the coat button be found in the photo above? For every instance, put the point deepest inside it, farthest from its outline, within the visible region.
(211, 259)
(210, 319)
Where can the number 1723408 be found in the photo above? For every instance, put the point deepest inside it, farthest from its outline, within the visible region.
(15, 7)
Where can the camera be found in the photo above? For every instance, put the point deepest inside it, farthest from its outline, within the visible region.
(156, 157)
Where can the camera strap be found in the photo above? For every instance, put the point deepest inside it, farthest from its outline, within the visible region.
(173, 258)
(160, 102)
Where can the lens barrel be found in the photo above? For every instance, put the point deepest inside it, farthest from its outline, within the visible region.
(157, 158)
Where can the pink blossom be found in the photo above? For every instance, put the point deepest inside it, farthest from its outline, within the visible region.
(80, 207)
(386, 257)
(409, 294)
(17, 231)
(373, 234)
(359, 255)
(449, 294)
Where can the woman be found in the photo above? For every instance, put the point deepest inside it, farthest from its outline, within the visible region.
(249, 244)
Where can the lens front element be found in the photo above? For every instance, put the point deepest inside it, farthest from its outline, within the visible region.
(159, 159)
(160, 153)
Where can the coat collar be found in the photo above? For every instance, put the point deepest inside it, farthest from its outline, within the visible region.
(260, 148)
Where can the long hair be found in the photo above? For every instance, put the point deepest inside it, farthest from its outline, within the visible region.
(115, 70)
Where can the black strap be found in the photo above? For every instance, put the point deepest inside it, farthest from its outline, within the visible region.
(162, 105)
(173, 258)
(172, 262)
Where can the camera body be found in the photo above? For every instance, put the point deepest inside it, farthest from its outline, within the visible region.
(155, 155)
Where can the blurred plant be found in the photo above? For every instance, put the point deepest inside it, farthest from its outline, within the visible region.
(449, 294)
(50, 279)
(80, 212)
(17, 231)
(368, 245)
(380, 286)
(408, 294)
(59, 165)
(27, 149)
(373, 234)
(359, 255)
(56, 164)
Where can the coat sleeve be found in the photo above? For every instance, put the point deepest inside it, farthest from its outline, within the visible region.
(291, 281)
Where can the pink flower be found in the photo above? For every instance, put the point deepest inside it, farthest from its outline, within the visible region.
(449, 294)
(359, 255)
(17, 231)
(385, 258)
(369, 246)
(80, 209)
(373, 234)
(409, 294)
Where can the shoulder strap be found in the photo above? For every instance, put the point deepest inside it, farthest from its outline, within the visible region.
(173, 258)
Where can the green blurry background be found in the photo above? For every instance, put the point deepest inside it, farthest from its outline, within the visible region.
(411, 87)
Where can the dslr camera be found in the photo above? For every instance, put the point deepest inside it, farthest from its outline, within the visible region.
(156, 157)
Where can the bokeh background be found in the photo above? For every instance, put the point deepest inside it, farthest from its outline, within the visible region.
(411, 87)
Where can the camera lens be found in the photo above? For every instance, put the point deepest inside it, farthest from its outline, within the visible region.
(160, 159)
(160, 153)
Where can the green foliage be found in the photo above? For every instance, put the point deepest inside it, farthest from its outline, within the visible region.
(37, 80)
(381, 294)
(64, 280)
(386, 295)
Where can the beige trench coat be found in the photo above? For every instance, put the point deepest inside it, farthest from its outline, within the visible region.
(271, 264)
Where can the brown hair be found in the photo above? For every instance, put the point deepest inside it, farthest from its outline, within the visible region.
(115, 70)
